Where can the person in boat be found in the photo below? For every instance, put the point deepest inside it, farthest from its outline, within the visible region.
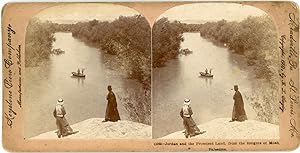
(206, 71)
(189, 124)
(210, 71)
(64, 129)
(112, 113)
(238, 113)
(82, 70)
(78, 71)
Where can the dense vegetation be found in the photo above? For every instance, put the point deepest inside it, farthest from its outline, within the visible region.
(39, 40)
(254, 38)
(60, 27)
(191, 27)
(128, 41)
(128, 38)
(166, 40)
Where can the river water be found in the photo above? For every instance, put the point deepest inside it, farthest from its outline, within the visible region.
(84, 98)
(210, 97)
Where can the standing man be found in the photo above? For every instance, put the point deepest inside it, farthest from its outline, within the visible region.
(189, 124)
(62, 124)
(238, 113)
(111, 113)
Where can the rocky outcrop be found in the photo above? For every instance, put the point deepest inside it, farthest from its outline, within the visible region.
(94, 128)
(221, 128)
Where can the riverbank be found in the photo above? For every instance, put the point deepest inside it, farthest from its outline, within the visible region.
(94, 128)
(263, 98)
(221, 128)
(135, 97)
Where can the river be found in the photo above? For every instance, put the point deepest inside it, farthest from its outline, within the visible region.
(210, 97)
(84, 98)
(178, 80)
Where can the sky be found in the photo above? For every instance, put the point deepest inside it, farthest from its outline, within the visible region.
(72, 13)
(188, 13)
(203, 12)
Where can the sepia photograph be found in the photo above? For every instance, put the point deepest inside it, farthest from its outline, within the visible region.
(150, 76)
(215, 73)
(87, 73)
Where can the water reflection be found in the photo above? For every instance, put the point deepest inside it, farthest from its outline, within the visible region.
(208, 81)
(80, 80)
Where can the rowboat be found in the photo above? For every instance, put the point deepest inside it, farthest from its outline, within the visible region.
(57, 51)
(75, 74)
(206, 74)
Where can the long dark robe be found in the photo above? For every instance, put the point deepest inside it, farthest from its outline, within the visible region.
(111, 113)
(189, 124)
(238, 113)
(62, 124)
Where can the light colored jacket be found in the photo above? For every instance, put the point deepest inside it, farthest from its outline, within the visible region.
(186, 111)
(59, 111)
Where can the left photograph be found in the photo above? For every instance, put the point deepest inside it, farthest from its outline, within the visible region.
(87, 73)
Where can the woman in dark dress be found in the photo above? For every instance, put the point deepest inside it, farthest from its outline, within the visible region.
(112, 113)
(238, 113)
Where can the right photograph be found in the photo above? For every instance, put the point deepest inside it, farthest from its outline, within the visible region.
(215, 73)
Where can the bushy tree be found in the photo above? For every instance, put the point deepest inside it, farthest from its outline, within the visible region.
(253, 37)
(166, 40)
(38, 41)
(129, 38)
